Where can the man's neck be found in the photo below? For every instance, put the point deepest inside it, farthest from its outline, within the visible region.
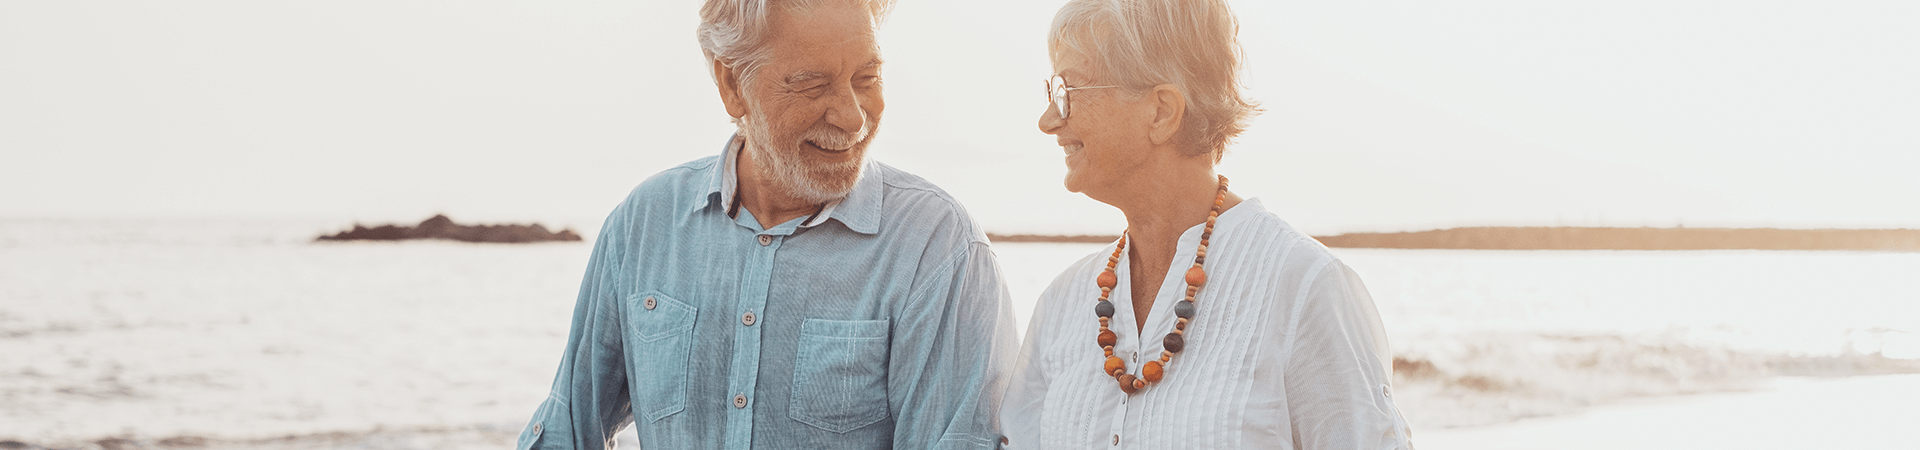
(769, 205)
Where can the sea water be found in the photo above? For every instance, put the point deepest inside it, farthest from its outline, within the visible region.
(238, 330)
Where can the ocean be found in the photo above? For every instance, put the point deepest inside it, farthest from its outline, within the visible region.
(246, 334)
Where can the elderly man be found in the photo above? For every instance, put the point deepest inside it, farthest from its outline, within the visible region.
(787, 293)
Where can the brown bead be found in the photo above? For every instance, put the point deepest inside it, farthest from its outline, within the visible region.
(1129, 384)
(1181, 325)
(1165, 356)
(1196, 276)
(1174, 343)
(1151, 372)
(1115, 366)
(1106, 280)
(1107, 338)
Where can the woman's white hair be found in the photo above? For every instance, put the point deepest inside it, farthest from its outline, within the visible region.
(732, 31)
(1190, 44)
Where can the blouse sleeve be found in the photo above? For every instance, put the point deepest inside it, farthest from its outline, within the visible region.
(1338, 374)
(1027, 389)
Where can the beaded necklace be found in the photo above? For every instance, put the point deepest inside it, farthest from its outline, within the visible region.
(1176, 340)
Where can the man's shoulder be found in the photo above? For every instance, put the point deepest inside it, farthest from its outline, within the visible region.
(679, 185)
(913, 203)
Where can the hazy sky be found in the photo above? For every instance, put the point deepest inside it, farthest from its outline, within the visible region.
(1380, 116)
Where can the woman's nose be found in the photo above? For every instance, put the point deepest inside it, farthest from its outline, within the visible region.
(1050, 121)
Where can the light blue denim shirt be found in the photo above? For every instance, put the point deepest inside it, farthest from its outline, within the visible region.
(879, 322)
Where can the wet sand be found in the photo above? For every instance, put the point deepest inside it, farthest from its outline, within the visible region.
(1793, 413)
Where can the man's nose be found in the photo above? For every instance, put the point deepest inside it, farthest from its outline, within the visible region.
(845, 112)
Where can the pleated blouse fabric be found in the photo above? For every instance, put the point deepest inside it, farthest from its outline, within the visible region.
(1285, 351)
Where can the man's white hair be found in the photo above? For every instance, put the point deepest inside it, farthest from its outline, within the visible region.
(732, 31)
(1190, 44)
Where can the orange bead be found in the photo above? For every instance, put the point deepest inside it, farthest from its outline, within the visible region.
(1115, 366)
(1138, 384)
(1106, 280)
(1196, 276)
(1107, 338)
(1151, 372)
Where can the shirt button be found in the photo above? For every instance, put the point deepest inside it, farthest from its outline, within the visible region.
(1116, 439)
(747, 319)
(1387, 391)
(536, 428)
(739, 400)
(765, 239)
(649, 303)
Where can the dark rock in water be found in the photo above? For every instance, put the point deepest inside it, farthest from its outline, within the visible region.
(440, 227)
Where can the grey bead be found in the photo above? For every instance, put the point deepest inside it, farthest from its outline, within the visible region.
(1184, 309)
(1104, 309)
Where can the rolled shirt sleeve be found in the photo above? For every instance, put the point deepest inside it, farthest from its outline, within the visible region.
(951, 357)
(1338, 375)
(589, 401)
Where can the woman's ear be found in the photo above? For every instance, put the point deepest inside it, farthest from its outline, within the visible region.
(1169, 112)
(729, 85)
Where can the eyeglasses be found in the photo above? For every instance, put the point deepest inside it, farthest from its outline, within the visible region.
(1057, 93)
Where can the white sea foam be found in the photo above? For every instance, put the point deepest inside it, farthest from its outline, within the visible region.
(245, 331)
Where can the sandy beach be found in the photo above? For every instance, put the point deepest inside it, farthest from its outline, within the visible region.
(1788, 413)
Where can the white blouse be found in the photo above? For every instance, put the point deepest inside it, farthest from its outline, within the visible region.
(1285, 351)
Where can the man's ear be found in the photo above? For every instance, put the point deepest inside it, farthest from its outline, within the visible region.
(730, 94)
(1169, 112)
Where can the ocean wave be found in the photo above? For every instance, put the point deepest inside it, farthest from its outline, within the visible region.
(1495, 378)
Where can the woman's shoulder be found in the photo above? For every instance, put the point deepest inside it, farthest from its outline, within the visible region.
(1253, 226)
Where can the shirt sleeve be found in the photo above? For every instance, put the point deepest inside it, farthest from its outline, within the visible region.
(1338, 375)
(951, 352)
(1026, 396)
(589, 400)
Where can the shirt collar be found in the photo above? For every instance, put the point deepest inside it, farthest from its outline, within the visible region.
(859, 211)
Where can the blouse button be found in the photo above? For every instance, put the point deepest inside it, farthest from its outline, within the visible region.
(1385, 390)
(765, 239)
(739, 400)
(649, 303)
(747, 319)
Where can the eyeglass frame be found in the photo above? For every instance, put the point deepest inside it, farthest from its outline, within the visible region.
(1057, 93)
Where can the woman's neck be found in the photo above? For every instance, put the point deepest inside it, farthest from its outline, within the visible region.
(1158, 210)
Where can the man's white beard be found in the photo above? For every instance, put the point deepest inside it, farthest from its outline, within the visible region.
(778, 161)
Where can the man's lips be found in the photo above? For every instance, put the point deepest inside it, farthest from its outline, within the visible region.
(815, 146)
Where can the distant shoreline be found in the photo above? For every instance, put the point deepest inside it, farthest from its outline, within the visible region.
(1590, 238)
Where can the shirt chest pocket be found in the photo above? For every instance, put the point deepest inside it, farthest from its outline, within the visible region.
(659, 345)
(840, 374)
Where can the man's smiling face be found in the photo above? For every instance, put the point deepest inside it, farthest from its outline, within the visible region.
(814, 106)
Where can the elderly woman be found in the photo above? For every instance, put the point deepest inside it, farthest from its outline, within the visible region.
(1211, 323)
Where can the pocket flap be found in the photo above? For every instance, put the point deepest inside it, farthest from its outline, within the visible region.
(846, 329)
(657, 316)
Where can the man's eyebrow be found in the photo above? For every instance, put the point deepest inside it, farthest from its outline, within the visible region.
(805, 76)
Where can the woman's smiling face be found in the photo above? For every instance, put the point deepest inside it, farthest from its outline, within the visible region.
(1105, 136)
